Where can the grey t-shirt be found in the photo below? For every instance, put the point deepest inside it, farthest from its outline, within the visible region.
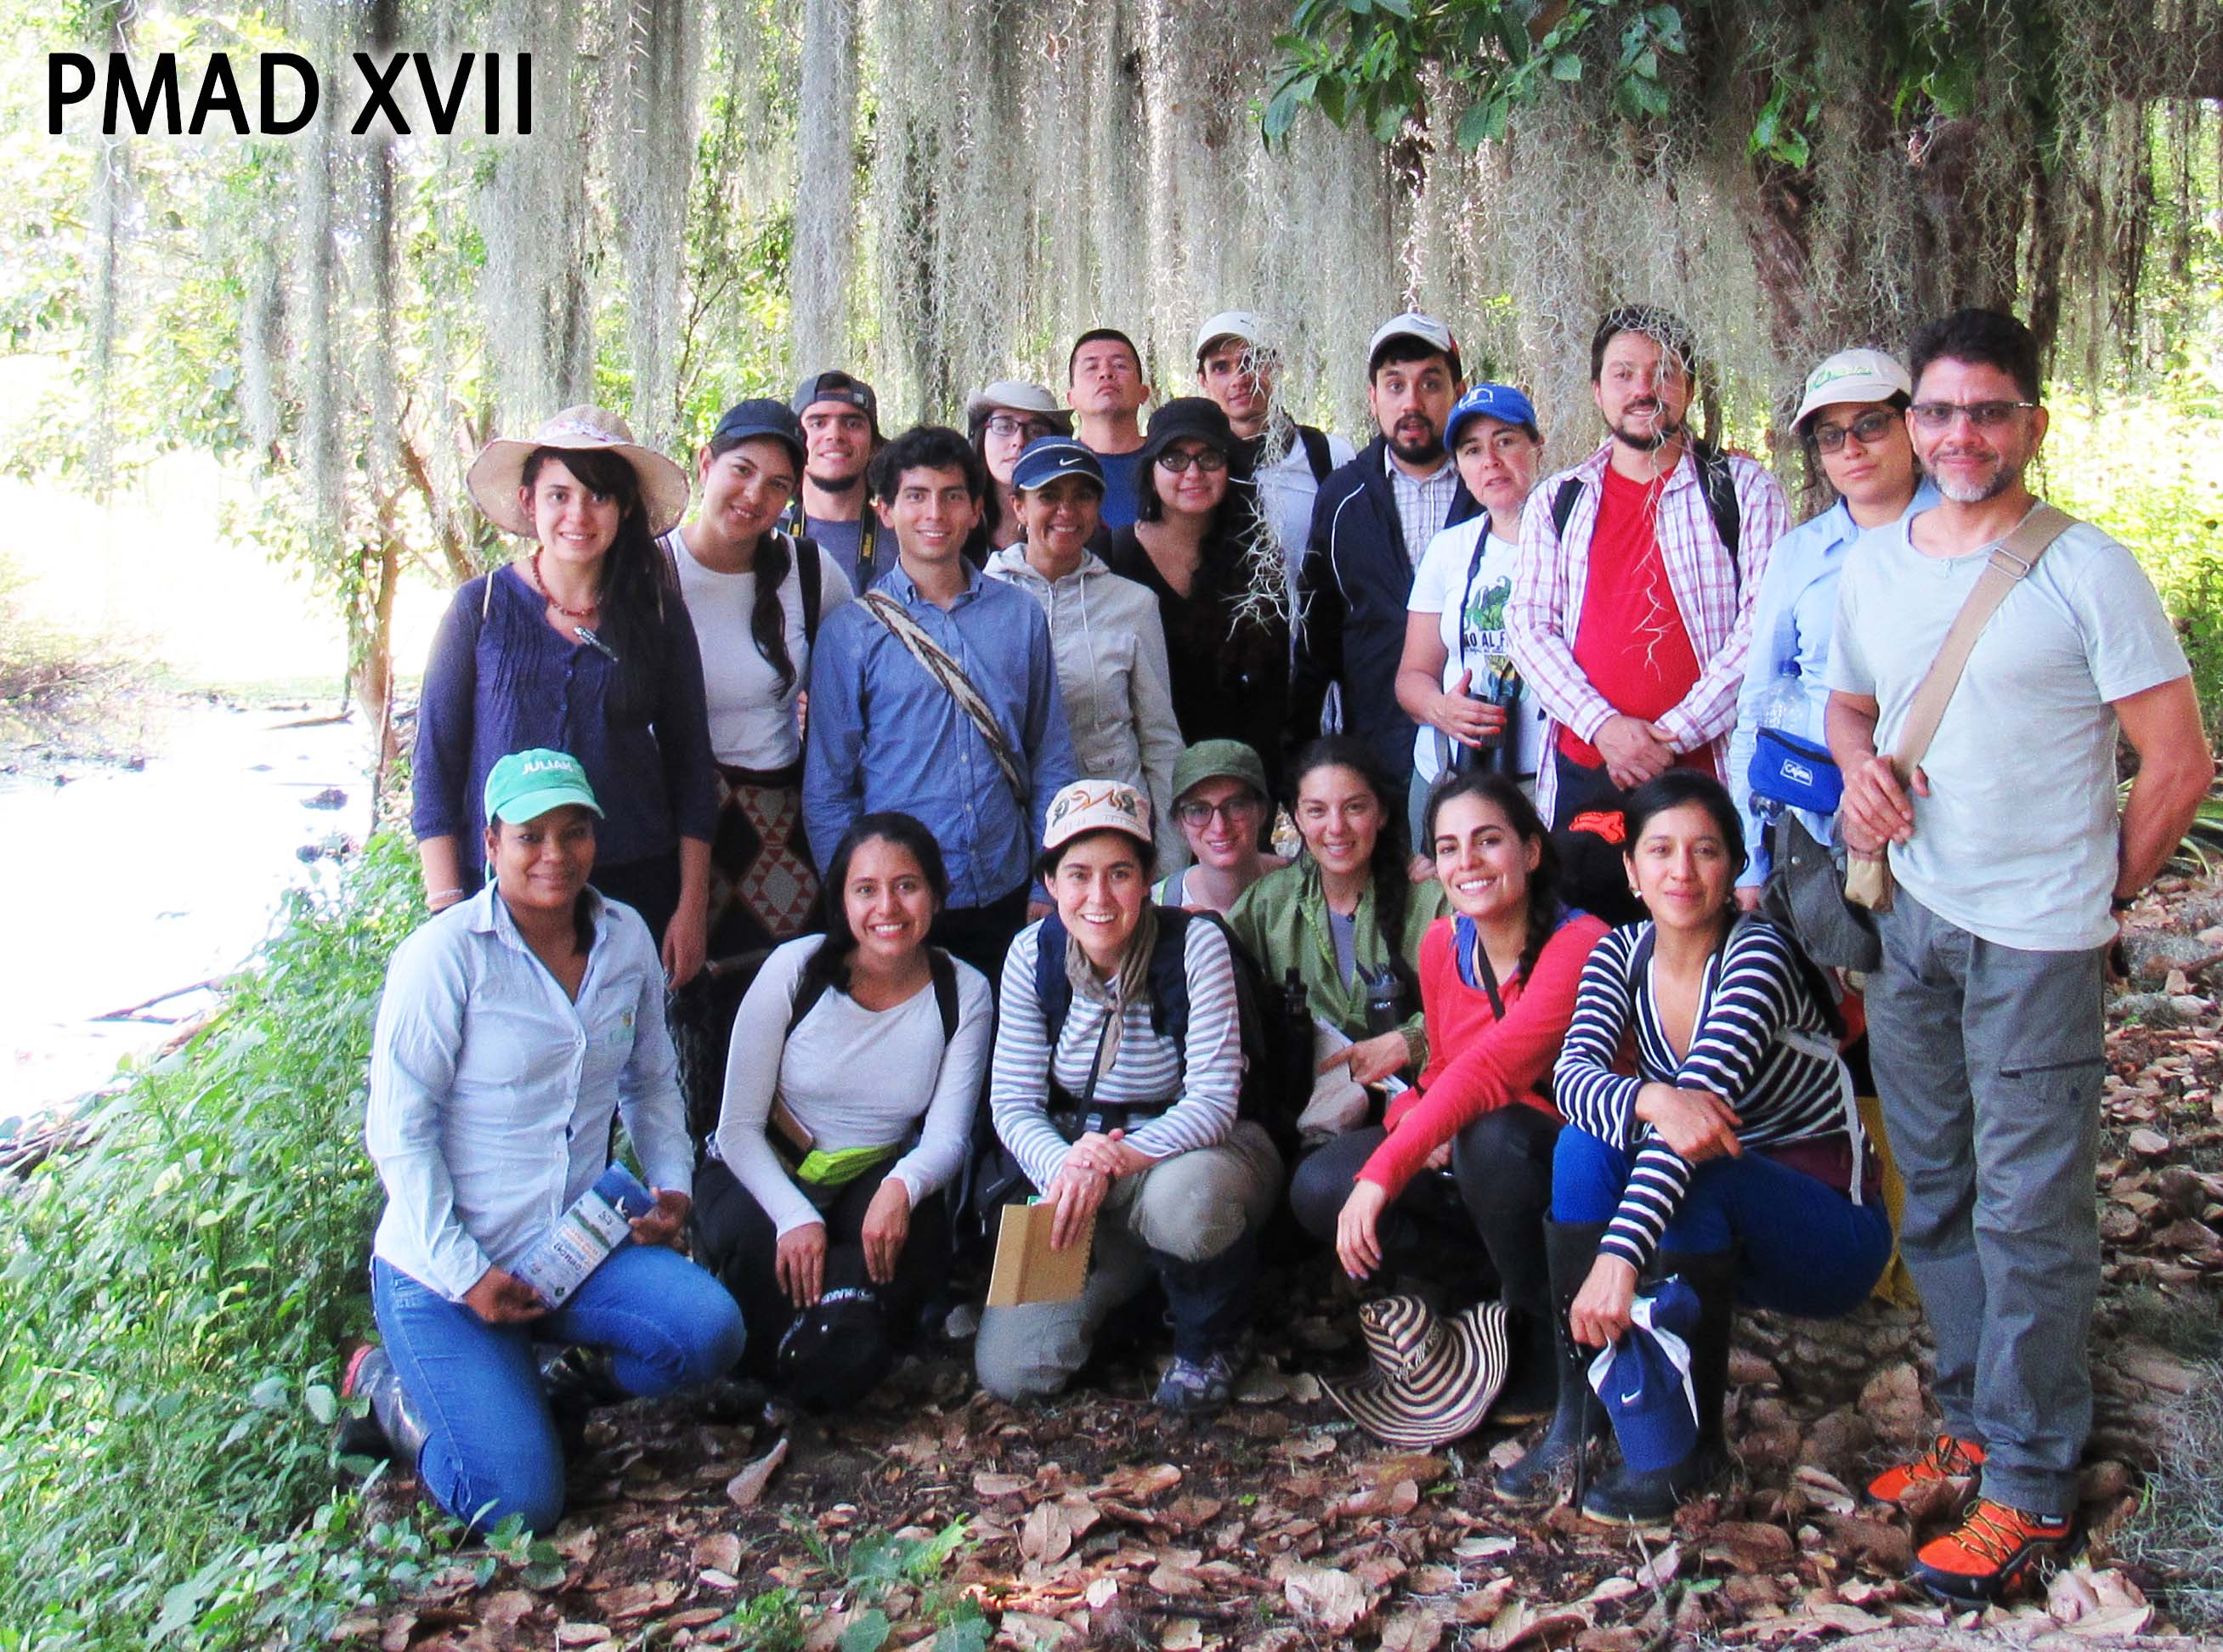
(2017, 841)
(841, 542)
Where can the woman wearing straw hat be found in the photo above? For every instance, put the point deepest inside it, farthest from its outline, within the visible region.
(1115, 1086)
(581, 645)
(999, 421)
(755, 596)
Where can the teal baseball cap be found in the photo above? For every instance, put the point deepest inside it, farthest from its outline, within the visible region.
(525, 785)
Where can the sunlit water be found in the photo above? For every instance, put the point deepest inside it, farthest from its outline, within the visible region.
(127, 884)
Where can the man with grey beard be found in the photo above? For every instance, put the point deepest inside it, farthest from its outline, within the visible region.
(2011, 864)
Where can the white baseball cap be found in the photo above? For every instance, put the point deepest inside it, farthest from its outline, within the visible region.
(1414, 324)
(1246, 325)
(1854, 375)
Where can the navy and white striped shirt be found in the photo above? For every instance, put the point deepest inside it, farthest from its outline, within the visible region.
(1752, 995)
(1202, 1080)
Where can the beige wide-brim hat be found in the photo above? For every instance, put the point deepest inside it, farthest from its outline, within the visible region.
(1016, 395)
(1429, 1382)
(498, 473)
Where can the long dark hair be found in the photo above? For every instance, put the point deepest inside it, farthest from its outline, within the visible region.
(992, 507)
(634, 580)
(829, 912)
(1546, 910)
(1392, 888)
(775, 555)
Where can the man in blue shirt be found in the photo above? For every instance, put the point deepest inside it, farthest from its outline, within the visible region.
(1105, 386)
(890, 724)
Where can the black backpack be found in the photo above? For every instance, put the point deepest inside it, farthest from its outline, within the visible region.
(708, 1014)
(1714, 476)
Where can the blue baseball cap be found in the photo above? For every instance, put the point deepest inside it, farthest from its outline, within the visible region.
(1644, 1381)
(1498, 401)
(1048, 457)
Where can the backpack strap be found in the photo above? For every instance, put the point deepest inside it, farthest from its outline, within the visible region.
(805, 1000)
(1719, 484)
(1053, 991)
(1563, 503)
(944, 971)
(1316, 453)
(810, 582)
(1169, 975)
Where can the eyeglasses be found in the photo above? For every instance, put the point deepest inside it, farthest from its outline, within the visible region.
(1868, 430)
(1209, 461)
(1984, 415)
(1032, 429)
(1234, 812)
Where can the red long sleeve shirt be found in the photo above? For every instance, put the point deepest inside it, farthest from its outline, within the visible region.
(1476, 1062)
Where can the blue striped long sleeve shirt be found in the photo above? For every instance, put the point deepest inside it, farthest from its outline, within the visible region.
(1751, 995)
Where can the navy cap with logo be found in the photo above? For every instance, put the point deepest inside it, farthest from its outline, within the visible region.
(1048, 457)
(844, 388)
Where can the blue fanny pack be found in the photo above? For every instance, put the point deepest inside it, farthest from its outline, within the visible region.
(1788, 770)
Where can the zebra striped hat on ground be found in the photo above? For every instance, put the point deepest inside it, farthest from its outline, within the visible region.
(1431, 1380)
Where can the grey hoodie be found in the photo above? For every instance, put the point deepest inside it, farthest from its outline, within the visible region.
(1111, 649)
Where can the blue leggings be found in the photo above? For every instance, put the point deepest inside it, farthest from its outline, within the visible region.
(1805, 1248)
(491, 1448)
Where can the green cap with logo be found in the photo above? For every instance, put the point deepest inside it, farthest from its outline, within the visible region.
(525, 785)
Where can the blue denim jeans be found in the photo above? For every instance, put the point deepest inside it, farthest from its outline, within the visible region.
(491, 1448)
(1805, 1247)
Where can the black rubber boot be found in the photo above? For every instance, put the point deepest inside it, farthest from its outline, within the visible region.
(1577, 1419)
(1626, 1497)
(393, 1429)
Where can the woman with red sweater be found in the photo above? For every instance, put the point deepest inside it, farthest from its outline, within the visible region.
(1469, 1148)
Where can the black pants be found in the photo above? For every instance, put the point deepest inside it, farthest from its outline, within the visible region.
(981, 934)
(737, 1240)
(1499, 1189)
(649, 885)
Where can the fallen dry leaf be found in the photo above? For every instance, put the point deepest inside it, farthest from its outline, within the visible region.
(637, 1599)
(721, 1550)
(999, 1485)
(1659, 1571)
(1181, 1635)
(1334, 1600)
(1048, 1534)
(581, 1634)
(745, 1487)
(1414, 1630)
(1393, 1500)
(1031, 1632)
(1137, 1483)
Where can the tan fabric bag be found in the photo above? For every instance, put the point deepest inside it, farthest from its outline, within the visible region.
(1867, 877)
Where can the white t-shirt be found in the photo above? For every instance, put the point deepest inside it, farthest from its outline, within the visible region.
(1469, 596)
(752, 721)
(2017, 841)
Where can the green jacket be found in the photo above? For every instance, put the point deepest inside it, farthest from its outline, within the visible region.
(1282, 920)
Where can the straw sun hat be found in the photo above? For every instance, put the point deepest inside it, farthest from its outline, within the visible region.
(498, 473)
(1428, 1380)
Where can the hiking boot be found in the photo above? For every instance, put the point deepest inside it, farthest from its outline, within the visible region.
(1945, 1459)
(393, 1429)
(1991, 1550)
(1196, 1387)
(1576, 1418)
(1630, 1498)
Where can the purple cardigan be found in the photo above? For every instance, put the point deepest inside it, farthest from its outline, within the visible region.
(502, 680)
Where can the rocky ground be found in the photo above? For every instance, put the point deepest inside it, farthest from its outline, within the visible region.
(1096, 1523)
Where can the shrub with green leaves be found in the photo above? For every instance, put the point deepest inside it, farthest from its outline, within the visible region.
(172, 1299)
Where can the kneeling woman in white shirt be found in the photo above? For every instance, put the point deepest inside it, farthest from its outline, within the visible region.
(514, 1024)
(855, 1067)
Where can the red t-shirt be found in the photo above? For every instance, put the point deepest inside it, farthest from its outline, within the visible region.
(1630, 641)
(1476, 1062)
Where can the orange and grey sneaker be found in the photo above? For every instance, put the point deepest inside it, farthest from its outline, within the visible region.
(1946, 1459)
(1991, 1550)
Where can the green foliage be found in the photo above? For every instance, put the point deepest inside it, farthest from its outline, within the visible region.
(173, 1299)
(875, 1564)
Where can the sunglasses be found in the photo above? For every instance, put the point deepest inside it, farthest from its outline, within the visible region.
(1209, 461)
(1869, 428)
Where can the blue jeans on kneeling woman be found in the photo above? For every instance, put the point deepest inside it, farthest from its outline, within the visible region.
(491, 1448)
(1804, 1246)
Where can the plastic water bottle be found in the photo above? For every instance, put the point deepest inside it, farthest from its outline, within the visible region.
(598, 1222)
(1782, 706)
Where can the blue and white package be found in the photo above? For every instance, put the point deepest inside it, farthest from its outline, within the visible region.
(598, 1222)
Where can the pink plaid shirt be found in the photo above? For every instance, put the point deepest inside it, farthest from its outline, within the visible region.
(1715, 605)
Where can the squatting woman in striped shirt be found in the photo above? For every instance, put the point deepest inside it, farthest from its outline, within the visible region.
(1115, 1084)
(1732, 1157)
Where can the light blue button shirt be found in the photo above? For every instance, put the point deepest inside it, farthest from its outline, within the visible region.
(491, 1093)
(1792, 617)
